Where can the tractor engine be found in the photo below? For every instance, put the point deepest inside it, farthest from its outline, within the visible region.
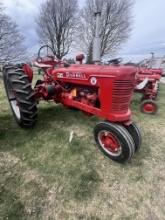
(56, 91)
(85, 95)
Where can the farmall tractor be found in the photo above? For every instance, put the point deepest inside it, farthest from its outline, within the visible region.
(148, 84)
(104, 91)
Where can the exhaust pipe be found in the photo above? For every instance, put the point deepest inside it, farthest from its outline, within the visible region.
(97, 40)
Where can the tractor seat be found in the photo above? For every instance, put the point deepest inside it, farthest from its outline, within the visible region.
(42, 65)
(115, 61)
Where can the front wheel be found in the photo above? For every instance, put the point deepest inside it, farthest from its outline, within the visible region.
(114, 141)
(20, 96)
(148, 106)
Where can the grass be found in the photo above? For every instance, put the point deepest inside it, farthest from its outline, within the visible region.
(43, 176)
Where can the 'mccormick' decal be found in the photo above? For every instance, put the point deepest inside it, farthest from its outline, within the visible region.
(71, 75)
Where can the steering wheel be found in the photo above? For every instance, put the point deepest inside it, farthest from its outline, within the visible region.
(45, 51)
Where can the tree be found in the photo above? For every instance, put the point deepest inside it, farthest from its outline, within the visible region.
(11, 41)
(56, 25)
(115, 25)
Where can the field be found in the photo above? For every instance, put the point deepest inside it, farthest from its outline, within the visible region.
(44, 177)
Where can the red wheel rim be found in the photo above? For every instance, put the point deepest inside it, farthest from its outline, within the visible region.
(109, 143)
(149, 108)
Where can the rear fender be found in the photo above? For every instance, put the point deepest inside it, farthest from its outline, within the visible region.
(28, 70)
(142, 84)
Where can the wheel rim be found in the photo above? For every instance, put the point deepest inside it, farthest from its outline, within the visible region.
(13, 102)
(109, 143)
(149, 108)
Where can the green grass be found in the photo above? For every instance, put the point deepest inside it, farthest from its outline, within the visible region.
(43, 176)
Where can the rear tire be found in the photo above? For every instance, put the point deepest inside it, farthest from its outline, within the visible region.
(20, 96)
(135, 133)
(149, 106)
(114, 141)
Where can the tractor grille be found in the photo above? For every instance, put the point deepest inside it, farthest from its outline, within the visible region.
(121, 95)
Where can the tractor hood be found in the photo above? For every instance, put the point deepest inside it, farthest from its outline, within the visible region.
(87, 71)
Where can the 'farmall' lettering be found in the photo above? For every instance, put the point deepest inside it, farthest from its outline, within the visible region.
(75, 75)
(72, 75)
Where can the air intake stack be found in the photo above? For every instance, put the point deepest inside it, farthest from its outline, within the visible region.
(97, 39)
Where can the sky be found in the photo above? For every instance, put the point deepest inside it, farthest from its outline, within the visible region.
(148, 31)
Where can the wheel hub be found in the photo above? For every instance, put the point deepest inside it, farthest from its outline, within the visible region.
(149, 107)
(109, 142)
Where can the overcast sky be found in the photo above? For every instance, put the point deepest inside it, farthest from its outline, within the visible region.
(148, 33)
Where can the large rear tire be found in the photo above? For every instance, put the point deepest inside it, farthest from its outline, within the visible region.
(114, 141)
(20, 96)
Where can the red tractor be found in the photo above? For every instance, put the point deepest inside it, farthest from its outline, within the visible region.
(104, 91)
(148, 84)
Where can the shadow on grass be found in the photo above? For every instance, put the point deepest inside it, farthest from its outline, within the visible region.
(56, 117)
(19, 200)
(86, 184)
(12, 206)
(46, 148)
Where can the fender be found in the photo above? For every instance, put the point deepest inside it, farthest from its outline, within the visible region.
(142, 84)
(28, 70)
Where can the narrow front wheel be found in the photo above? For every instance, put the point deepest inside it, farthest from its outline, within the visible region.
(114, 141)
(149, 106)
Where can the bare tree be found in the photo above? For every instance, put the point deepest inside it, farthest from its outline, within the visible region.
(56, 25)
(115, 25)
(11, 41)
